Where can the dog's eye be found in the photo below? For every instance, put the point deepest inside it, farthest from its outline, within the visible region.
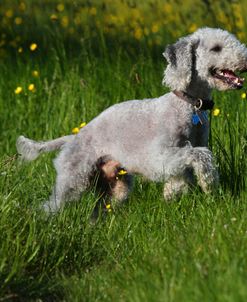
(216, 48)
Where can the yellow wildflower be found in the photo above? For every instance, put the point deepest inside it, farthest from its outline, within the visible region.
(9, 13)
(53, 17)
(33, 46)
(192, 28)
(20, 49)
(82, 125)
(65, 21)
(18, 90)
(31, 87)
(75, 130)
(138, 33)
(155, 28)
(108, 207)
(243, 95)
(122, 172)
(35, 73)
(216, 112)
(167, 8)
(241, 35)
(18, 20)
(93, 11)
(22, 6)
(60, 7)
(136, 13)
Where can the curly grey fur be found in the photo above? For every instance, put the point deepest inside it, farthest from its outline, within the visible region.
(151, 137)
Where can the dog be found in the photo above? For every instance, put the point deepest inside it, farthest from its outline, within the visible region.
(164, 138)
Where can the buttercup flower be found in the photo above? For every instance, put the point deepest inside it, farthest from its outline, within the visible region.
(35, 73)
(20, 49)
(138, 33)
(9, 13)
(192, 28)
(155, 28)
(122, 172)
(18, 20)
(243, 95)
(65, 21)
(216, 112)
(33, 46)
(22, 6)
(82, 125)
(60, 7)
(108, 207)
(18, 90)
(93, 11)
(31, 87)
(75, 130)
(53, 17)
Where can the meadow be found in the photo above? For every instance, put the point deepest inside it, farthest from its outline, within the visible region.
(61, 64)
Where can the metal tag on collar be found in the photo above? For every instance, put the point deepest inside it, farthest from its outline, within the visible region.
(196, 117)
(198, 104)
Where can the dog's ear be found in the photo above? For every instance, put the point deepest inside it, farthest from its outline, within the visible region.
(170, 54)
(181, 58)
(173, 51)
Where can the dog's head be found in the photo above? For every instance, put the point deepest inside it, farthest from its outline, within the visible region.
(208, 56)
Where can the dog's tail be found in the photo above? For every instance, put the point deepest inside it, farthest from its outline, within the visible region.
(29, 149)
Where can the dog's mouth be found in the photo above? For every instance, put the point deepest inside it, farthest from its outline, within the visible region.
(228, 77)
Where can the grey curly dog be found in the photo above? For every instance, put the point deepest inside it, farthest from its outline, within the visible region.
(163, 139)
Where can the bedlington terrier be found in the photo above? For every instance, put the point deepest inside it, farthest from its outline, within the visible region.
(163, 139)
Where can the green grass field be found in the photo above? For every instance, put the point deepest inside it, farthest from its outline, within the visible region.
(149, 250)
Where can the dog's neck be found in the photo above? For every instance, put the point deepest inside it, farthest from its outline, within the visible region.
(197, 103)
(198, 94)
(199, 90)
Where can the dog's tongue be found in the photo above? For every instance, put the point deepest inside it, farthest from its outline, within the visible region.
(229, 74)
(233, 77)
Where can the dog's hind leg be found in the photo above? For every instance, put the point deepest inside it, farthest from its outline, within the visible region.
(114, 180)
(69, 186)
(66, 189)
(113, 184)
(73, 176)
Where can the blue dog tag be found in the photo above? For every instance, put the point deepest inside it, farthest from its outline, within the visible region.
(195, 119)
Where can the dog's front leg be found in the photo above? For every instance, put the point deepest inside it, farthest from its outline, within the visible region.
(183, 166)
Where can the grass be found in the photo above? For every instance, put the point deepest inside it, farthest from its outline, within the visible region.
(190, 250)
